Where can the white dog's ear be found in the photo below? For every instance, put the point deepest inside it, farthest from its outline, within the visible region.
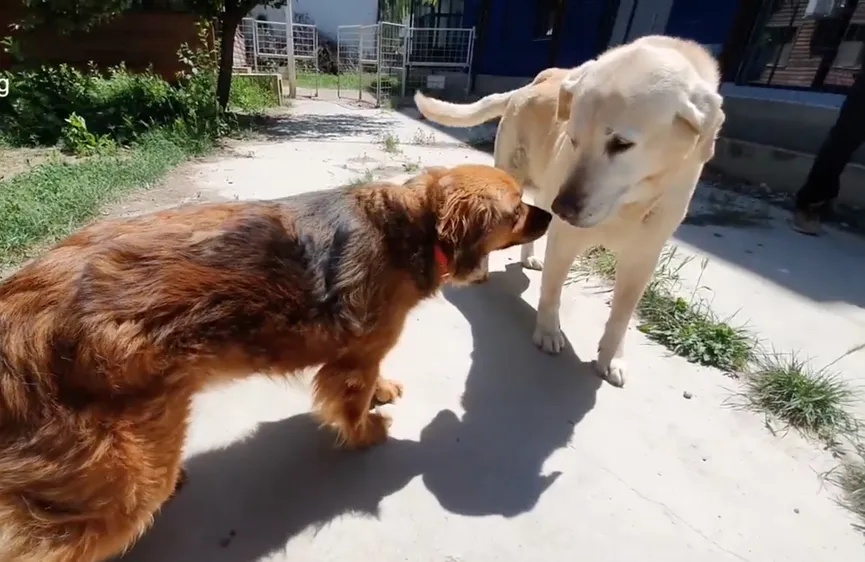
(569, 88)
(702, 110)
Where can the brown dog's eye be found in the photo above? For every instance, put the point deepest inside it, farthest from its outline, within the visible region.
(618, 145)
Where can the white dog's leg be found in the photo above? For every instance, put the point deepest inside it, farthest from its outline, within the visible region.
(634, 269)
(527, 251)
(528, 257)
(564, 243)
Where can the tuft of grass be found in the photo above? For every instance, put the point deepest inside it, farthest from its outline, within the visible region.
(687, 327)
(52, 199)
(411, 166)
(815, 402)
(366, 177)
(423, 139)
(850, 478)
(390, 143)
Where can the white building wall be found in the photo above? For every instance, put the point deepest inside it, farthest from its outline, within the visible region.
(327, 15)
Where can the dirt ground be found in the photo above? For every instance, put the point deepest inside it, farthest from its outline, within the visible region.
(16, 160)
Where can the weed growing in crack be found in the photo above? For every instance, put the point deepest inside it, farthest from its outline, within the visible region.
(685, 326)
(411, 166)
(366, 177)
(420, 138)
(390, 143)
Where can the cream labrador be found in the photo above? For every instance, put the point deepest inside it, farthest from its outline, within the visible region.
(614, 148)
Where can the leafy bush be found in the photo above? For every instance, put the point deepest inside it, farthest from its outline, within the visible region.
(50, 103)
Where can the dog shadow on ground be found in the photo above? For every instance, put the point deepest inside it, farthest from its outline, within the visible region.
(246, 501)
(520, 406)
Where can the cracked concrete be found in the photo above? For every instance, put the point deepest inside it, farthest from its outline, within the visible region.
(498, 452)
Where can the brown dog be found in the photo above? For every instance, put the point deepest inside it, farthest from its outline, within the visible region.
(105, 338)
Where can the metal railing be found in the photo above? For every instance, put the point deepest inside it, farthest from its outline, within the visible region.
(266, 45)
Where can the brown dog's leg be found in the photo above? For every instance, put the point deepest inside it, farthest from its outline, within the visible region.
(386, 392)
(343, 392)
(178, 486)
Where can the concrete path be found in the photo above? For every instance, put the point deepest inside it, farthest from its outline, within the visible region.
(498, 452)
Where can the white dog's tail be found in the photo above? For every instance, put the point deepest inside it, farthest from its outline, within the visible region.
(463, 114)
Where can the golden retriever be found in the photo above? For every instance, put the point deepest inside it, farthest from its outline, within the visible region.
(614, 148)
(106, 337)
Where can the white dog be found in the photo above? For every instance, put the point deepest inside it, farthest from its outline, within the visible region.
(614, 148)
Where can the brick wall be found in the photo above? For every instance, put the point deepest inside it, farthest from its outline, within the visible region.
(139, 39)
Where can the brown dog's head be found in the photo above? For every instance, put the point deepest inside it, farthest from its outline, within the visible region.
(479, 210)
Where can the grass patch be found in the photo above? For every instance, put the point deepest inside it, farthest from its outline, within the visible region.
(252, 93)
(814, 402)
(685, 326)
(52, 199)
(390, 143)
(850, 477)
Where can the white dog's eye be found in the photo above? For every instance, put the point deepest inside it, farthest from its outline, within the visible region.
(618, 145)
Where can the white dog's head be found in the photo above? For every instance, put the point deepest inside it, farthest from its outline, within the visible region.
(635, 116)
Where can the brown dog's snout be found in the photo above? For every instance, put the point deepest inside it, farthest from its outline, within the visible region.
(537, 222)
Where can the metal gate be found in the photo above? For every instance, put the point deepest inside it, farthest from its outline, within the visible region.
(372, 62)
(385, 61)
(440, 59)
(266, 45)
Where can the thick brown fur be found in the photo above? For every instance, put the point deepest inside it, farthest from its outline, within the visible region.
(105, 338)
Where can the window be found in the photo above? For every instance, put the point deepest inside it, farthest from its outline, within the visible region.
(850, 49)
(779, 45)
(545, 18)
(787, 48)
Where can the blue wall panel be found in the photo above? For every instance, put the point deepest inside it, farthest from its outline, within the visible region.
(508, 48)
(701, 20)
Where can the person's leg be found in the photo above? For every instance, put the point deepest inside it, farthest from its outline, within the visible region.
(814, 199)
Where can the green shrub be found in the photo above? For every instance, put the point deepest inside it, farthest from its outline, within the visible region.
(49, 103)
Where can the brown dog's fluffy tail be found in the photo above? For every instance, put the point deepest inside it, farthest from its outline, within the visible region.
(463, 114)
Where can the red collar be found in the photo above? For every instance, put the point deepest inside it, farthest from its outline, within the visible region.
(441, 261)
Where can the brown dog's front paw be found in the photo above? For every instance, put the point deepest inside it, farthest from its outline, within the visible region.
(387, 391)
(371, 432)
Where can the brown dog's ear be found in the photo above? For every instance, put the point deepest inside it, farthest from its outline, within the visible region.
(702, 110)
(464, 220)
(570, 88)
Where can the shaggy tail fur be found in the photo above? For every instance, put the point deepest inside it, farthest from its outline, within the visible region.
(481, 111)
(463, 115)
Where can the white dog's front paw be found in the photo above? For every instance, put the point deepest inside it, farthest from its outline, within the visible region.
(532, 262)
(614, 372)
(549, 340)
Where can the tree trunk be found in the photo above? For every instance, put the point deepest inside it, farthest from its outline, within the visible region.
(228, 29)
